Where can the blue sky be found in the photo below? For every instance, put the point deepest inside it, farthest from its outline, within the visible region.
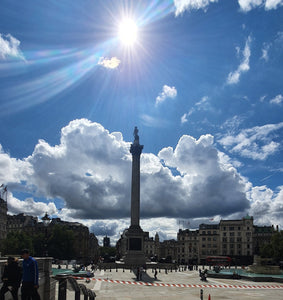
(202, 81)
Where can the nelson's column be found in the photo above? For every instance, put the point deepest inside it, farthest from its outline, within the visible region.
(135, 235)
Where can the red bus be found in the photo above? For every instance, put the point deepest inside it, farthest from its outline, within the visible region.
(218, 260)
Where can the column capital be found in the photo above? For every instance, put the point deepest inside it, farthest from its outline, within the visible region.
(136, 149)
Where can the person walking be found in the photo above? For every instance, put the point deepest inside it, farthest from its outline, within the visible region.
(12, 276)
(155, 274)
(30, 277)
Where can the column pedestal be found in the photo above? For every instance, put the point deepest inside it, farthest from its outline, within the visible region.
(135, 245)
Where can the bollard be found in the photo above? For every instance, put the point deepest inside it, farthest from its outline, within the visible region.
(201, 294)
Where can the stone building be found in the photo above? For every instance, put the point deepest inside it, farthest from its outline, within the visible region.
(208, 241)
(239, 239)
(168, 250)
(151, 246)
(22, 222)
(236, 238)
(262, 236)
(188, 246)
(106, 241)
(3, 218)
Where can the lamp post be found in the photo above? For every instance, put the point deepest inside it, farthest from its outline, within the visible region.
(46, 221)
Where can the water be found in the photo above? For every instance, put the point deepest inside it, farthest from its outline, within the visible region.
(243, 272)
(56, 271)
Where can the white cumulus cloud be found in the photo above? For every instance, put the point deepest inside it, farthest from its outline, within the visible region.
(247, 5)
(111, 63)
(183, 5)
(167, 92)
(277, 100)
(10, 47)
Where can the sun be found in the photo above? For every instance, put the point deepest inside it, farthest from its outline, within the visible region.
(128, 32)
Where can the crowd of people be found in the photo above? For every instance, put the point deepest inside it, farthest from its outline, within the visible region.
(25, 277)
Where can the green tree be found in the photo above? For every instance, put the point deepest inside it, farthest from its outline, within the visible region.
(107, 252)
(38, 244)
(15, 242)
(275, 248)
(60, 243)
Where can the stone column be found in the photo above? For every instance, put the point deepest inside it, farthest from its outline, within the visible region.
(135, 150)
(135, 235)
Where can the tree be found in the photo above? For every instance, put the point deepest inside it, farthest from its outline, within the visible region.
(15, 242)
(275, 248)
(108, 253)
(60, 243)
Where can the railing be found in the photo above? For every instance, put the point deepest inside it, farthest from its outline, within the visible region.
(79, 289)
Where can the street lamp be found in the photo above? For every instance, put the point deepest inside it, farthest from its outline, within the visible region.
(46, 221)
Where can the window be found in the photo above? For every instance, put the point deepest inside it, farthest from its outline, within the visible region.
(231, 228)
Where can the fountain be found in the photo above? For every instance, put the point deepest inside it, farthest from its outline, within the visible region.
(263, 266)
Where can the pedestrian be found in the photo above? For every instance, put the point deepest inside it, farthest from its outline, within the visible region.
(30, 277)
(155, 274)
(12, 276)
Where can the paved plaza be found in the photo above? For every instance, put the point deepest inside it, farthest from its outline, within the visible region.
(181, 285)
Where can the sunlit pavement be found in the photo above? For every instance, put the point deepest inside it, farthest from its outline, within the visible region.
(176, 285)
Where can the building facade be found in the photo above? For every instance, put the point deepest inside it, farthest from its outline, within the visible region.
(188, 246)
(237, 239)
(3, 218)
